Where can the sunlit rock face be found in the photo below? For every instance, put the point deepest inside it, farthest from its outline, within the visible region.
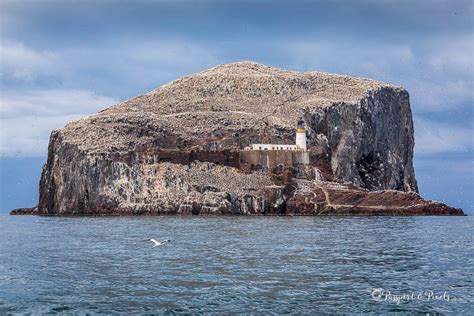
(175, 150)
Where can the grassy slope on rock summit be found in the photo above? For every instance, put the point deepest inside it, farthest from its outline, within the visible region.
(217, 103)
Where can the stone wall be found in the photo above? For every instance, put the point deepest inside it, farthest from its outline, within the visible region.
(184, 157)
(270, 159)
(244, 159)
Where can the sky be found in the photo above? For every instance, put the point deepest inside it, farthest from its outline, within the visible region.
(62, 60)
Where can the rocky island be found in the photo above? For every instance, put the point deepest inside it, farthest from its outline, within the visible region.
(186, 148)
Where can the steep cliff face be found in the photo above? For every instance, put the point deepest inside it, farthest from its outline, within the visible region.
(371, 141)
(107, 163)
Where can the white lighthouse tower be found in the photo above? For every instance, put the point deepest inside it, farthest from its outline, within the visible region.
(300, 136)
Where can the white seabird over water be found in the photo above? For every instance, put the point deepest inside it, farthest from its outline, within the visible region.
(159, 243)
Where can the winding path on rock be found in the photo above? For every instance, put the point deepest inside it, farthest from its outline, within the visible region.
(204, 112)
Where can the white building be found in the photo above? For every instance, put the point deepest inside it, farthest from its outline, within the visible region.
(272, 147)
(300, 142)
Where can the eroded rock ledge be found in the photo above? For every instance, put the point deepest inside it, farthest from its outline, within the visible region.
(176, 149)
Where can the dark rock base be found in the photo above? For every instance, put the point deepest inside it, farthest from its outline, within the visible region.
(25, 211)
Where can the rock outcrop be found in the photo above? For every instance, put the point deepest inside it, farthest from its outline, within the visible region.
(172, 151)
(24, 211)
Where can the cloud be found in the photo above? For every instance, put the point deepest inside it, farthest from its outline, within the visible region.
(28, 118)
(121, 68)
(50, 103)
(431, 96)
(454, 56)
(437, 70)
(347, 56)
(23, 64)
(28, 136)
(463, 168)
(447, 180)
(433, 137)
(30, 108)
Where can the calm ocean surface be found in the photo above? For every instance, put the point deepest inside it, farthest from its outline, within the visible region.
(236, 264)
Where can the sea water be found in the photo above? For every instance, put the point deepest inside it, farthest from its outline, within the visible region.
(258, 265)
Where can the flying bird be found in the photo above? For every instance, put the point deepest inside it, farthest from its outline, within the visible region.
(159, 242)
